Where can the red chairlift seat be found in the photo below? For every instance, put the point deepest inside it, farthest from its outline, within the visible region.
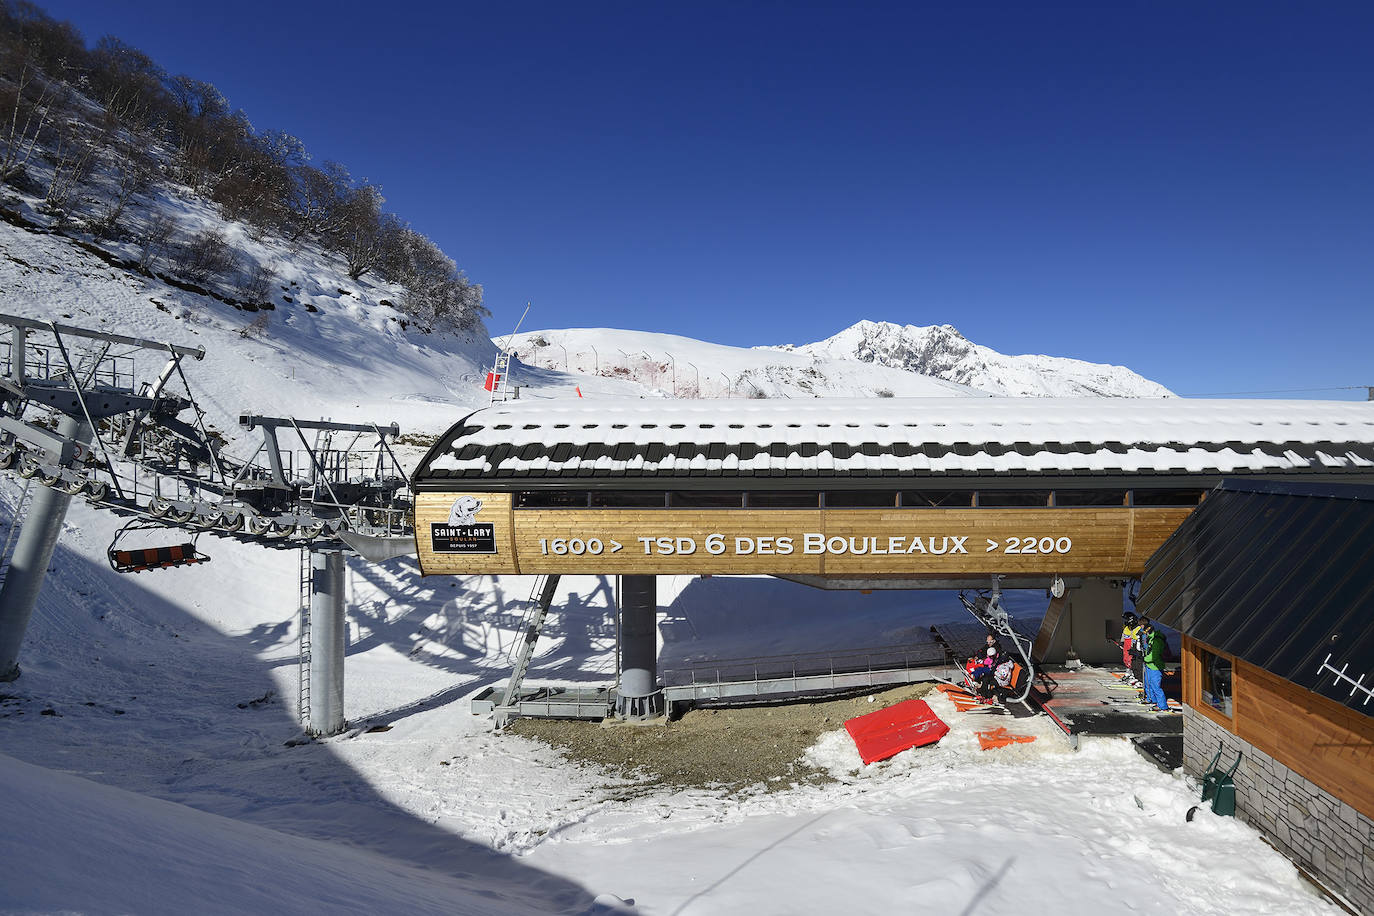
(137, 559)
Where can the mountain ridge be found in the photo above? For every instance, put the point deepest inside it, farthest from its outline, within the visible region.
(869, 358)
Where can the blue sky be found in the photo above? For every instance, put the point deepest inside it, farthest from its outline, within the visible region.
(1181, 188)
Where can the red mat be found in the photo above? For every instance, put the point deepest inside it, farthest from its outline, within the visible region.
(881, 734)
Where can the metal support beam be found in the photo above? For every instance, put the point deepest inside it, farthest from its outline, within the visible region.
(898, 583)
(253, 421)
(19, 343)
(328, 630)
(639, 696)
(1093, 614)
(32, 554)
(269, 435)
(15, 321)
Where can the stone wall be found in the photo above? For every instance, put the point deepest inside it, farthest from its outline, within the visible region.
(1328, 838)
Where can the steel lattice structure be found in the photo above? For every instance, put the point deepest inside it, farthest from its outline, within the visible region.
(144, 450)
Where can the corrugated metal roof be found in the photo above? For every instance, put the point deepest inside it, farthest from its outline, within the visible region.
(836, 437)
(1280, 575)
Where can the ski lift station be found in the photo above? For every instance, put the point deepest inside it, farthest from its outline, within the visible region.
(1072, 498)
(1249, 520)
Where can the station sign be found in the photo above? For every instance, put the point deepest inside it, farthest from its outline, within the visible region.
(473, 533)
(461, 532)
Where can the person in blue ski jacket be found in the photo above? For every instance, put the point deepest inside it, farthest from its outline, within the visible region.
(1155, 650)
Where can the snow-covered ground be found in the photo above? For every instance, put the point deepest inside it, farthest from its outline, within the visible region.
(162, 780)
(148, 761)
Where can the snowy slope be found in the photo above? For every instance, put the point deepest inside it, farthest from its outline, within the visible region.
(943, 352)
(302, 363)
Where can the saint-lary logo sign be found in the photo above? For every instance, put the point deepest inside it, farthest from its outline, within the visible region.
(462, 533)
(464, 511)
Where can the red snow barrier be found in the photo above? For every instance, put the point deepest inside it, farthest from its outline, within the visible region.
(879, 735)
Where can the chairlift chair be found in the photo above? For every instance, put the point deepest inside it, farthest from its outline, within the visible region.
(991, 614)
(137, 559)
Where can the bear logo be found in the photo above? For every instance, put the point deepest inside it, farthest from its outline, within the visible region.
(464, 511)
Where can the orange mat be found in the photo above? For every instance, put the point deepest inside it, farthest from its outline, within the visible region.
(989, 738)
(963, 700)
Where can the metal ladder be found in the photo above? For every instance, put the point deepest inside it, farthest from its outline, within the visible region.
(500, 374)
(544, 587)
(303, 690)
(501, 370)
(21, 512)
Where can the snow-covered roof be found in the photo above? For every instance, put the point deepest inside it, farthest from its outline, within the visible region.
(623, 440)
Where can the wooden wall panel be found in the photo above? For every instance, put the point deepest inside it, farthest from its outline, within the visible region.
(433, 509)
(1150, 529)
(1105, 541)
(1329, 744)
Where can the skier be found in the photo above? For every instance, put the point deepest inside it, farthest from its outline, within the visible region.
(1154, 651)
(1137, 652)
(1130, 635)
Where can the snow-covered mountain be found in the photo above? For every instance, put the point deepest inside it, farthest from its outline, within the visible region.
(941, 351)
(870, 359)
(667, 365)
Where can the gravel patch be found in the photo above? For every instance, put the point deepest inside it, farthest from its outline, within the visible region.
(727, 748)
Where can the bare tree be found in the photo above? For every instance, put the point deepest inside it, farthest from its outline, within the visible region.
(256, 287)
(438, 294)
(131, 170)
(28, 106)
(203, 126)
(129, 84)
(204, 255)
(363, 231)
(317, 200)
(257, 327)
(254, 180)
(157, 235)
(72, 154)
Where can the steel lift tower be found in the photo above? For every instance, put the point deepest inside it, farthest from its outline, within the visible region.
(111, 418)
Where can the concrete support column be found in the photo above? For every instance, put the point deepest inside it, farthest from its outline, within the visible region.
(328, 631)
(639, 696)
(32, 553)
(1093, 614)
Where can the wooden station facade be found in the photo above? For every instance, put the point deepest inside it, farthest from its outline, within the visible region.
(505, 537)
(903, 489)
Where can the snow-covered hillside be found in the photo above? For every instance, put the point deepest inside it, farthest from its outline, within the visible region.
(329, 348)
(943, 352)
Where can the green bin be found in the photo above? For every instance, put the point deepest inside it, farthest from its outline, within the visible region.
(1219, 785)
